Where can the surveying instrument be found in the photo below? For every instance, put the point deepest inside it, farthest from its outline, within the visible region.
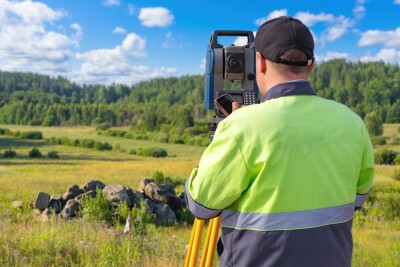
(223, 63)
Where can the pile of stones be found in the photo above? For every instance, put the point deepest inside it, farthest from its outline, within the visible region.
(160, 200)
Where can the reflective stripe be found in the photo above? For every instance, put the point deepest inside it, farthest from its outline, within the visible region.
(287, 220)
(360, 200)
(197, 209)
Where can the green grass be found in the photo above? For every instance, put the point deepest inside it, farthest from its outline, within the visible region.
(30, 240)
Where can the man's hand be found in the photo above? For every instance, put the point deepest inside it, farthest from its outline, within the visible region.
(235, 106)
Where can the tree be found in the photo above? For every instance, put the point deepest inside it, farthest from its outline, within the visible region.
(373, 122)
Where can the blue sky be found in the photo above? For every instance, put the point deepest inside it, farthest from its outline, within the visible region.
(126, 41)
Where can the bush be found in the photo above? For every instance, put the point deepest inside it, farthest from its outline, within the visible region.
(396, 175)
(176, 139)
(31, 135)
(385, 157)
(4, 131)
(102, 146)
(132, 151)
(35, 153)
(88, 143)
(161, 138)
(9, 154)
(378, 141)
(103, 126)
(53, 155)
(155, 152)
(97, 209)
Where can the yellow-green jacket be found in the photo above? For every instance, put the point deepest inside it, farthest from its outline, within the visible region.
(287, 175)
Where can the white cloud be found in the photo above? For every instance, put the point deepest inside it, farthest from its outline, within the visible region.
(155, 17)
(119, 30)
(131, 9)
(332, 55)
(116, 65)
(397, 2)
(311, 19)
(26, 42)
(272, 15)
(377, 37)
(112, 2)
(337, 29)
(359, 12)
(391, 56)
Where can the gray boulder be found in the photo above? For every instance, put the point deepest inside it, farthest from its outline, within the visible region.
(117, 194)
(55, 205)
(73, 192)
(92, 185)
(154, 192)
(164, 194)
(135, 200)
(164, 214)
(81, 197)
(143, 183)
(70, 210)
(42, 201)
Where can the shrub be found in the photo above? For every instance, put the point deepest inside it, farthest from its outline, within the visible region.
(373, 122)
(88, 143)
(53, 155)
(75, 142)
(396, 175)
(176, 139)
(155, 152)
(102, 146)
(132, 151)
(35, 153)
(35, 135)
(9, 154)
(4, 131)
(161, 138)
(97, 209)
(378, 140)
(385, 157)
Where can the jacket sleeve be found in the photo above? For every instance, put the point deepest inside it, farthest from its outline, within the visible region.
(366, 177)
(220, 178)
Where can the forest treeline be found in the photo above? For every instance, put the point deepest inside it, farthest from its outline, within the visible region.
(33, 99)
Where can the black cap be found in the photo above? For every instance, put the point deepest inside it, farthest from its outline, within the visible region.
(276, 36)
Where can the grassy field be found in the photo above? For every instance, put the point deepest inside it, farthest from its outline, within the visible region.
(29, 240)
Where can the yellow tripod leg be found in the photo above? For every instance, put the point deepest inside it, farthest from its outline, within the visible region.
(213, 241)
(189, 251)
(194, 253)
(206, 243)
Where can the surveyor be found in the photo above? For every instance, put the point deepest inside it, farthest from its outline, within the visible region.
(287, 174)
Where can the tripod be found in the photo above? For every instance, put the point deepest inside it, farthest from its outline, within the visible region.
(209, 246)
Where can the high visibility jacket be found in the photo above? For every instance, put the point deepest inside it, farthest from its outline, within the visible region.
(287, 175)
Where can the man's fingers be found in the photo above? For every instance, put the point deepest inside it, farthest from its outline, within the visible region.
(235, 106)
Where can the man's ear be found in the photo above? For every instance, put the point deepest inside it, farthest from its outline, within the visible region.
(311, 67)
(260, 61)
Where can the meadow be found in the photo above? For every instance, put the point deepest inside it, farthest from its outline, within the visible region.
(29, 240)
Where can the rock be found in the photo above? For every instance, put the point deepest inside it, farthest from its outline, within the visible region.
(81, 197)
(92, 185)
(17, 204)
(117, 194)
(55, 205)
(73, 192)
(132, 195)
(42, 201)
(70, 210)
(168, 188)
(154, 192)
(150, 205)
(182, 198)
(164, 214)
(143, 183)
(58, 198)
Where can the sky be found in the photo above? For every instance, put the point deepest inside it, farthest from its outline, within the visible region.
(127, 41)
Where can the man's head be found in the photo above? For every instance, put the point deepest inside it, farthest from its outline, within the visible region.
(287, 45)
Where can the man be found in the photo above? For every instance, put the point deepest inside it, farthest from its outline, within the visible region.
(287, 174)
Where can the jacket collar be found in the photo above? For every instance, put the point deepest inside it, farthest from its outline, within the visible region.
(298, 87)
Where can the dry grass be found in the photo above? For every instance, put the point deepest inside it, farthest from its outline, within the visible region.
(26, 240)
